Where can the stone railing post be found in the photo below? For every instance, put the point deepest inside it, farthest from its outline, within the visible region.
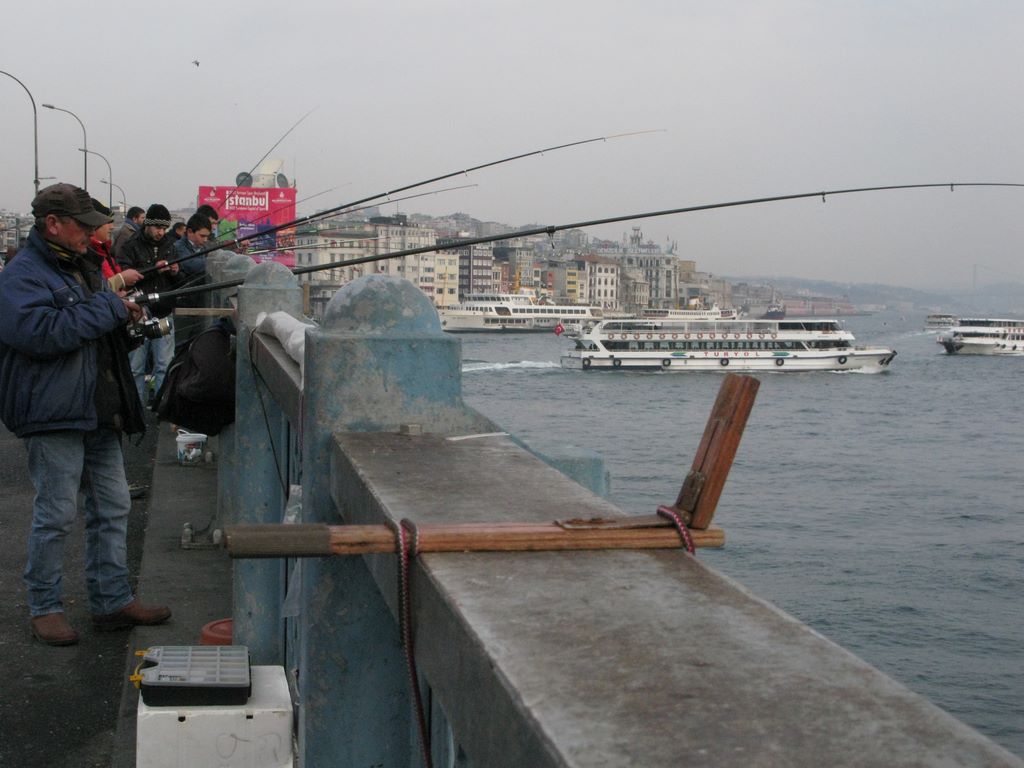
(224, 266)
(379, 361)
(260, 460)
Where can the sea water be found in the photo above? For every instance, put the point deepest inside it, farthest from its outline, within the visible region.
(884, 510)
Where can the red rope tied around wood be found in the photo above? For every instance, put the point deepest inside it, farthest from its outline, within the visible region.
(684, 533)
(407, 538)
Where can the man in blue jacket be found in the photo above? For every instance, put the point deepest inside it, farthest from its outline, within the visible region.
(66, 390)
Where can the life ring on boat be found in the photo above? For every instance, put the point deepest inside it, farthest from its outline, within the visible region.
(700, 335)
(685, 336)
(661, 335)
(586, 362)
(775, 335)
(666, 363)
(736, 336)
(842, 360)
(760, 335)
(711, 335)
(724, 361)
(636, 335)
(675, 335)
(650, 335)
(616, 363)
(779, 362)
(749, 336)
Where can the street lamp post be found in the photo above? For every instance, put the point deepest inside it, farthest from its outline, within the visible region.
(85, 143)
(35, 128)
(110, 173)
(124, 197)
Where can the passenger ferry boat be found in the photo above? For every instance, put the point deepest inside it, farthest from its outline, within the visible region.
(714, 312)
(940, 321)
(984, 336)
(514, 313)
(809, 344)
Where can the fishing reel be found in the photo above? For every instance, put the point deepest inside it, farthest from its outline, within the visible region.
(140, 296)
(156, 304)
(151, 328)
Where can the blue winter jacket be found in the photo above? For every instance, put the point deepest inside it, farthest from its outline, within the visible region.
(49, 328)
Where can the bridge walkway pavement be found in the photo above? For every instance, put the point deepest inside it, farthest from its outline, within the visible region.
(74, 706)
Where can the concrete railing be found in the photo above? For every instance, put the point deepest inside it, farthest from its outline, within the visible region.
(611, 658)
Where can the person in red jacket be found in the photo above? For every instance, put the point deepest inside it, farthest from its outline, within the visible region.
(99, 242)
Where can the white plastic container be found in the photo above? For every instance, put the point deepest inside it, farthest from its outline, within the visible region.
(191, 446)
(257, 734)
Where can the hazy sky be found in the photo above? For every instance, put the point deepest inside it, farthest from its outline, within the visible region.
(754, 99)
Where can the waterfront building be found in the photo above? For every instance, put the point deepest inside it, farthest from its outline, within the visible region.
(600, 281)
(316, 247)
(446, 279)
(703, 288)
(636, 291)
(520, 258)
(394, 233)
(649, 264)
(592, 280)
(476, 265)
(12, 228)
(491, 228)
(568, 282)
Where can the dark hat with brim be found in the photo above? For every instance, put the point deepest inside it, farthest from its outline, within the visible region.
(67, 200)
(103, 211)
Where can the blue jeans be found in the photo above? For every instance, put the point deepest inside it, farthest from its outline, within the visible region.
(61, 463)
(162, 350)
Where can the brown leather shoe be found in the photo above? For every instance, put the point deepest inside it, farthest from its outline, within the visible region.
(53, 629)
(132, 614)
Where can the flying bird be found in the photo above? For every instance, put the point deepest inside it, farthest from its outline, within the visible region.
(196, 62)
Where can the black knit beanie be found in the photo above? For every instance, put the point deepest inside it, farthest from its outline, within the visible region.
(157, 216)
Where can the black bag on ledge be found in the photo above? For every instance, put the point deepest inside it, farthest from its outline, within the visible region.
(198, 392)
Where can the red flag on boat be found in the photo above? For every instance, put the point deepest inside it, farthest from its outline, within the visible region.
(559, 329)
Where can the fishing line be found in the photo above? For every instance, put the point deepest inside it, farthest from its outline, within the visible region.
(550, 230)
(328, 212)
(207, 250)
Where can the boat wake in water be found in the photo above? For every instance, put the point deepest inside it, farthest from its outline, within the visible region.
(479, 366)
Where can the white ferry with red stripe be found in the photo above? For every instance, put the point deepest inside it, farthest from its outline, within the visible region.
(792, 344)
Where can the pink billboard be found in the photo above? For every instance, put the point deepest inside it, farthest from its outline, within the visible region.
(246, 211)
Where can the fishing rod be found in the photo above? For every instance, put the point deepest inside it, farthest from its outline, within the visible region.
(263, 216)
(249, 174)
(218, 246)
(550, 230)
(272, 148)
(283, 136)
(323, 214)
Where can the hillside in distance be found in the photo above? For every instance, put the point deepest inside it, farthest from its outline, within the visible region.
(1003, 299)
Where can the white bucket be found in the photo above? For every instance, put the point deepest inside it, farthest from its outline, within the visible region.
(191, 446)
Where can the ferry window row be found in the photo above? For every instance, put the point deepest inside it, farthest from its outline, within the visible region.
(753, 345)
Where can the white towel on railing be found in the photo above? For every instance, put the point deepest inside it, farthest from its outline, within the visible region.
(289, 331)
